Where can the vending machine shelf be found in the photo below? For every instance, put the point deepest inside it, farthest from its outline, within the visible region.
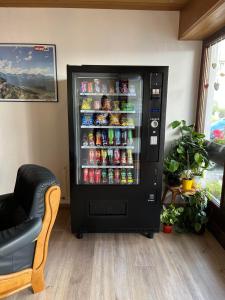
(108, 94)
(106, 167)
(92, 111)
(107, 147)
(115, 127)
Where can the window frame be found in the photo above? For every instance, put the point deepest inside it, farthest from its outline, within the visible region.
(216, 212)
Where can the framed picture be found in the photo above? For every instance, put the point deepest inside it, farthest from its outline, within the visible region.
(28, 73)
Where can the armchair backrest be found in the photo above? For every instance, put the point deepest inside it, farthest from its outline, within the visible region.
(32, 182)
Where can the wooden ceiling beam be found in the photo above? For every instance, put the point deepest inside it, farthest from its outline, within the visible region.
(105, 4)
(200, 19)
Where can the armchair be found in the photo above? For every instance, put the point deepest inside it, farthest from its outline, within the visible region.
(26, 220)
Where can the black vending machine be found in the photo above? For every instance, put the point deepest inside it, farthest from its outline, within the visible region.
(116, 143)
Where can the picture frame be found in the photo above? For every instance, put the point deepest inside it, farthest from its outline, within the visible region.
(28, 72)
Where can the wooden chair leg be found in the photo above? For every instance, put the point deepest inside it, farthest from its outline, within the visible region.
(38, 282)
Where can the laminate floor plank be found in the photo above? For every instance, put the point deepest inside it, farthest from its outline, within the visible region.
(130, 267)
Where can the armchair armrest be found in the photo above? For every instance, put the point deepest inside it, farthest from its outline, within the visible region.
(17, 237)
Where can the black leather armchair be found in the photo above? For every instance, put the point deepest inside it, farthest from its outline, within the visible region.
(22, 220)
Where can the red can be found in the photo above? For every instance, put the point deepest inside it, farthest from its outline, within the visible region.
(91, 157)
(98, 156)
(90, 87)
(98, 175)
(117, 176)
(116, 156)
(91, 176)
(85, 176)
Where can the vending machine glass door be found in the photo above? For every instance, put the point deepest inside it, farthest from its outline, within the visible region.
(108, 112)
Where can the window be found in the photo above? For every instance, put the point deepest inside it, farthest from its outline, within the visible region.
(210, 119)
(215, 101)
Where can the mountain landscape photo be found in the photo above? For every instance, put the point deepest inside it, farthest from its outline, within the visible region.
(27, 73)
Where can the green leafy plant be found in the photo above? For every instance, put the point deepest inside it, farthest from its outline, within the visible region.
(188, 154)
(169, 216)
(194, 217)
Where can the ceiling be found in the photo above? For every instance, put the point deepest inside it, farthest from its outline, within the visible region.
(113, 4)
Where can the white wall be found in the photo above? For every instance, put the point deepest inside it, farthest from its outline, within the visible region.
(37, 132)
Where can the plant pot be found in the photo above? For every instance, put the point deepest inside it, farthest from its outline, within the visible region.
(187, 184)
(167, 228)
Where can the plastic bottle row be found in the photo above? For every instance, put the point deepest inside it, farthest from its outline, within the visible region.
(108, 137)
(110, 176)
(112, 157)
(106, 104)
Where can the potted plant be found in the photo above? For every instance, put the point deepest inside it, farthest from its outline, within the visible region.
(194, 217)
(169, 216)
(188, 153)
(187, 180)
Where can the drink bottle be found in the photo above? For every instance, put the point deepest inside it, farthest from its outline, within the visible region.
(104, 176)
(124, 137)
(104, 157)
(111, 136)
(117, 176)
(98, 157)
(91, 140)
(116, 159)
(85, 140)
(129, 157)
(98, 138)
(98, 174)
(91, 157)
(86, 176)
(110, 176)
(104, 138)
(123, 176)
(130, 179)
(123, 157)
(110, 156)
(117, 137)
(130, 137)
(91, 176)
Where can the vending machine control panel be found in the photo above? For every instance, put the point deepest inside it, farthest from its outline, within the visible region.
(156, 80)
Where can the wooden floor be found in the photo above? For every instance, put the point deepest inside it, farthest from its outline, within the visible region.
(131, 267)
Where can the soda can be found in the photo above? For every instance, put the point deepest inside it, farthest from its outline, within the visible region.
(104, 176)
(110, 156)
(117, 176)
(98, 174)
(90, 87)
(104, 138)
(85, 176)
(104, 157)
(123, 176)
(91, 176)
(91, 140)
(110, 176)
(91, 156)
(129, 157)
(83, 87)
(98, 157)
(123, 157)
(116, 157)
(130, 179)
(130, 137)
(98, 138)
(111, 136)
(124, 137)
(117, 137)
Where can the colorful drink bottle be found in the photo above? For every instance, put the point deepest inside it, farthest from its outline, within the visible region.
(104, 157)
(98, 157)
(124, 137)
(117, 137)
(104, 138)
(110, 156)
(85, 176)
(98, 173)
(110, 176)
(130, 137)
(111, 136)
(98, 140)
(116, 159)
(91, 156)
(123, 176)
(130, 179)
(123, 157)
(117, 176)
(104, 176)
(129, 157)
(91, 176)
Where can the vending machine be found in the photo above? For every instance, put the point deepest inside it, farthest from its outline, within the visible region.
(116, 143)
